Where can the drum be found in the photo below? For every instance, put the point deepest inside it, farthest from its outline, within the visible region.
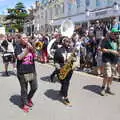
(7, 57)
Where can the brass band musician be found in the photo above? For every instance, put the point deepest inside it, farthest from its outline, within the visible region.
(64, 64)
(41, 48)
(8, 45)
(26, 72)
(65, 60)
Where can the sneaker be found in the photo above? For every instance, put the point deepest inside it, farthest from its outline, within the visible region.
(102, 93)
(66, 101)
(30, 103)
(109, 91)
(6, 74)
(25, 108)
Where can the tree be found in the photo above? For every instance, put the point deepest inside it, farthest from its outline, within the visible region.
(17, 16)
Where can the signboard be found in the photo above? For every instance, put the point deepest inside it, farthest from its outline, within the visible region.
(2, 30)
(101, 13)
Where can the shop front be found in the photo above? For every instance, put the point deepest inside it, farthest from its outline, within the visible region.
(105, 15)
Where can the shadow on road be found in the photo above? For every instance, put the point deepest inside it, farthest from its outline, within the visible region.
(45, 78)
(16, 100)
(54, 95)
(93, 88)
(9, 74)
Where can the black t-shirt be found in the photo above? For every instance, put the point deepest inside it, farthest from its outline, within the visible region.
(27, 64)
(59, 55)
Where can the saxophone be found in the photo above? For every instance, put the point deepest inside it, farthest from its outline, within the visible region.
(67, 29)
(64, 71)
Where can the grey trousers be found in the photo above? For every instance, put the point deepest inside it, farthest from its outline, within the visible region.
(25, 95)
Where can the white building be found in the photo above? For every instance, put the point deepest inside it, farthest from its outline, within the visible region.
(31, 22)
(50, 13)
(97, 9)
(45, 14)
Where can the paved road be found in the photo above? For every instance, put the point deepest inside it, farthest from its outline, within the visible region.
(87, 104)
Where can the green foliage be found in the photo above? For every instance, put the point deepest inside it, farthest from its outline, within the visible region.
(19, 5)
(16, 16)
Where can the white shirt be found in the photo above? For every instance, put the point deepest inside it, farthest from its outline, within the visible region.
(10, 46)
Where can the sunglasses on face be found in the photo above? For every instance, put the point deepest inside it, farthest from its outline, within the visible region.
(67, 41)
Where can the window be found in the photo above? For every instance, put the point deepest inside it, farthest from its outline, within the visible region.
(110, 2)
(78, 2)
(56, 10)
(69, 8)
(87, 2)
(41, 14)
(98, 3)
(62, 8)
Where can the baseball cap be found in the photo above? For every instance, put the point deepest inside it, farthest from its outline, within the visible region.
(115, 30)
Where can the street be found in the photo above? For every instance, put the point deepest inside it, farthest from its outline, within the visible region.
(87, 104)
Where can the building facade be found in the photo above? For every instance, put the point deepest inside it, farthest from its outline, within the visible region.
(49, 14)
(77, 10)
(44, 14)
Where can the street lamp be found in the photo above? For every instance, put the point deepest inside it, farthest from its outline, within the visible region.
(33, 24)
(116, 10)
(87, 17)
(116, 6)
(51, 24)
(87, 12)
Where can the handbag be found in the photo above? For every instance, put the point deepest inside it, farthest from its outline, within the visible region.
(29, 77)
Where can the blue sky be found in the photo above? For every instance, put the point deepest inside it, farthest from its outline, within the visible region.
(4, 4)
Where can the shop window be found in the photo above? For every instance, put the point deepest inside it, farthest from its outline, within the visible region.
(62, 8)
(110, 2)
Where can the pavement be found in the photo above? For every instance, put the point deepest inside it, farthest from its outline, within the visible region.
(84, 89)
